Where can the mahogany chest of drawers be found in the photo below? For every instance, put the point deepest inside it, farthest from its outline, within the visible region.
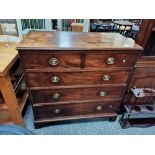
(73, 75)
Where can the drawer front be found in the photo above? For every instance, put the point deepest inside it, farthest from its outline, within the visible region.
(49, 111)
(143, 80)
(77, 94)
(77, 78)
(50, 61)
(109, 61)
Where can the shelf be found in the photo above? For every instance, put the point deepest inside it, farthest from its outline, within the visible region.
(21, 98)
(143, 92)
(21, 93)
(17, 82)
(140, 109)
(12, 79)
(22, 101)
(139, 115)
(137, 122)
(148, 108)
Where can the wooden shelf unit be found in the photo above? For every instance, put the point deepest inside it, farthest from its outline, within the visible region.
(13, 90)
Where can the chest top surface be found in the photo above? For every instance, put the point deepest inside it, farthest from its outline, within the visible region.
(76, 41)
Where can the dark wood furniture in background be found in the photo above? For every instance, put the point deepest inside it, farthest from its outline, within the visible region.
(145, 32)
(143, 77)
(144, 73)
(76, 75)
(13, 90)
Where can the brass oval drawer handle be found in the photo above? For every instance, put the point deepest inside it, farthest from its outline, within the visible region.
(55, 79)
(110, 61)
(106, 77)
(55, 96)
(99, 108)
(57, 111)
(102, 93)
(54, 61)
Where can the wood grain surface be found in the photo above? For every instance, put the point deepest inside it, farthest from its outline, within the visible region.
(8, 55)
(77, 41)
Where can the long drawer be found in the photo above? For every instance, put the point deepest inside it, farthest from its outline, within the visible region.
(53, 111)
(77, 94)
(77, 78)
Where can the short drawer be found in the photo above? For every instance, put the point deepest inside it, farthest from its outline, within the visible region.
(51, 111)
(109, 61)
(77, 78)
(44, 60)
(77, 94)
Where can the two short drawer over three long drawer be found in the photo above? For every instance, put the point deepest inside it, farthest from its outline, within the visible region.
(69, 80)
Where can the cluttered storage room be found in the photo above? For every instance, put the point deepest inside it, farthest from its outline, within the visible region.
(77, 76)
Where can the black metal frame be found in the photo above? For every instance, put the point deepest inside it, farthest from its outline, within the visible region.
(125, 122)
